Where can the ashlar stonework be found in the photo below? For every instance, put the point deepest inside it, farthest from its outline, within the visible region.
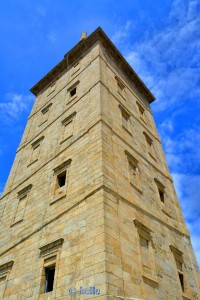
(89, 210)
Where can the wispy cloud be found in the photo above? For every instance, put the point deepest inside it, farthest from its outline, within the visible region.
(41, 11)
(183, 150)
(158, 59)
(167, 60)
(187, 187)
(14, 105)
(122, 34)
(52, 37)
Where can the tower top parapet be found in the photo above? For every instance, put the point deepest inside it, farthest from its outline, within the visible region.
(78, 51)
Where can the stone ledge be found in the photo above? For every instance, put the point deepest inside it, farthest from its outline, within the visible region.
(136, 187)
(57, 199)
(32, 163)
(186, 297)
(95, 190)
(127, 130)
(151, 279)
(51, 245)
(71, 99)
(66, 139)
(15, 223)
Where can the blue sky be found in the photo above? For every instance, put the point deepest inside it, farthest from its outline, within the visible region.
(160, 39)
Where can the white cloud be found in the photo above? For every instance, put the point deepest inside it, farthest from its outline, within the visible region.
(168, 125)
(13, 105)
(187, 187)
(166, 60)
(183, 150)
(122, 34)
(52, 37)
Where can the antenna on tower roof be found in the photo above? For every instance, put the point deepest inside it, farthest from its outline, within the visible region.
(83, 35)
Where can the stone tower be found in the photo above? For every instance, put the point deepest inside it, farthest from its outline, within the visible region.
(89, 210)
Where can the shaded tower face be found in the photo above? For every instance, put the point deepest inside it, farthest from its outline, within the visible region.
(89, 210)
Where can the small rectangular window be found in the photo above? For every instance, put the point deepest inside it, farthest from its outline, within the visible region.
(49, 276)
(52, 88)
(146, 250)
(161, 190)
(73, 92)
(4, 272)
(73, 89)
(76, 68)
(61, 179)
(35, 150)
(35, 153)
(120, 85)
(144, 246)
(181, 281)
(21, 205)
(161, 194)
(132, 170)
(68, 127)
(45, 113)
(125, 120)
(141, 111)
(125, 116)
(179, 263)
(150, 146)
(19, 215)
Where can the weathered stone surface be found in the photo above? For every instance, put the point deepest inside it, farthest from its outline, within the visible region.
(104, 225)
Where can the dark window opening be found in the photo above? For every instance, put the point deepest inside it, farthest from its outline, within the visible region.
(125, 119)
(141, 111)
(49, 274)
(161, 194)
(61, 179)
(149, 143)
(181, 281)
(73, 92)
(120, 87)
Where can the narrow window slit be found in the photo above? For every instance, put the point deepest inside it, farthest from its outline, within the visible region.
(181, 281)
(61, 179)
(49, 274)
(161, 194)
(73, 92)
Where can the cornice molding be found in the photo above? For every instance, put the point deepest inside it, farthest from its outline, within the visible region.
(78, 50)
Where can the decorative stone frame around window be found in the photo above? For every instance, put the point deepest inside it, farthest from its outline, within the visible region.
(178, 259)
(150, 146)
(145, 245)
(60, 181)
(133, 171)
(161, 190)
(50, 255)
(45, 114)
(141, 111)
(51, 88)
(125, 119)
(73, 91)
(120, 86)
(5, 270)
(75, 68)
(36, 145)
(67, 127)
(20, 209)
